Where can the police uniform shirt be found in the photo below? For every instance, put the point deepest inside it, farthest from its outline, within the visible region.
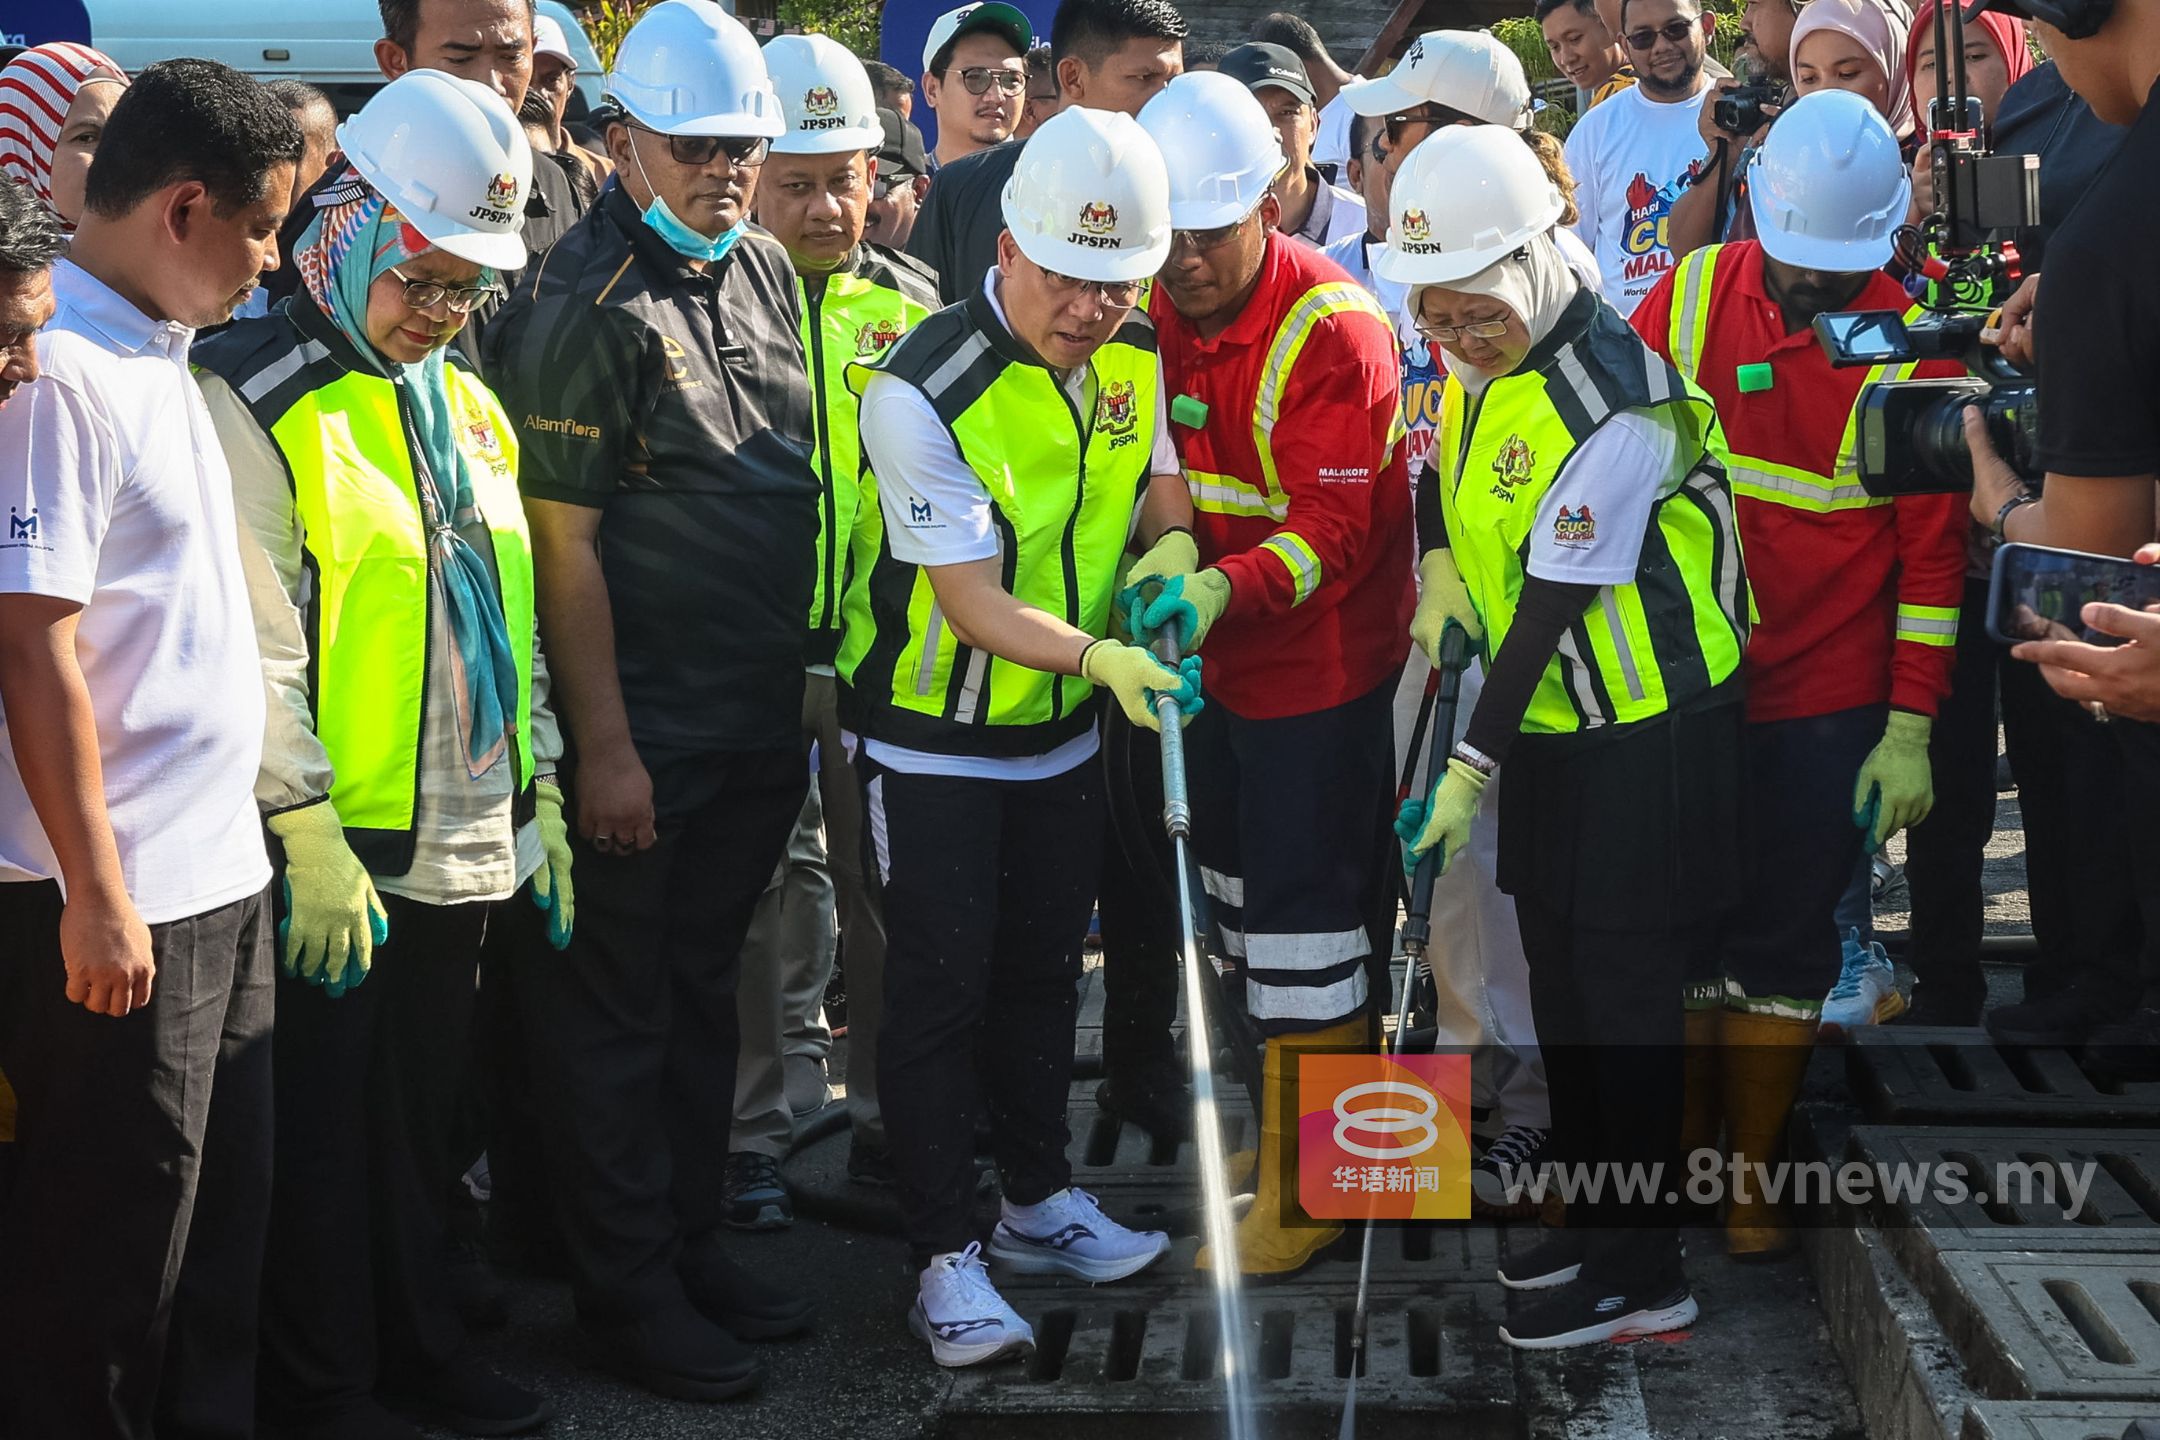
(678, 402)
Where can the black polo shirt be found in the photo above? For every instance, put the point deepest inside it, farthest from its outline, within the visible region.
(956, 233)
(677, 402)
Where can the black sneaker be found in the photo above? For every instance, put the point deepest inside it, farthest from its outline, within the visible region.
(737, 1300)
(1555, 1260)
(869, 1164)
(466, 1397)
(1939, 1007)
(1154, 1098)
(2066, 1019)
(676, 1352)
(1502, 1176)
(2129, 1049)
(1580, 1314)
(475, 1289)
(756, 1200)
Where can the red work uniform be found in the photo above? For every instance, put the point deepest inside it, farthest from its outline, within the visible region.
(1301, 498)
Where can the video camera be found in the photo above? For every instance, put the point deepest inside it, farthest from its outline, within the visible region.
(1739, 111)
(1911, 433)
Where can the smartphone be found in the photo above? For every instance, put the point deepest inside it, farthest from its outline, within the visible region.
(1863, 337)
(2036, 593)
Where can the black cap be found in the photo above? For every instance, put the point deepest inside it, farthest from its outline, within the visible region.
(902, 153)
(2077, 19)
(1259, 65)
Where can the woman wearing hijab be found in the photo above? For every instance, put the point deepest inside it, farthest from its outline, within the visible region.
(1856, 45)
(1579, 531)
(54, 100)
(407, 773)
(1997, 56)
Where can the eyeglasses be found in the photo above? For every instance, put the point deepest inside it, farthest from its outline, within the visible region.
(979, 79)
(1431, 116)
(700, 150)
(1676, 31)
(1118, 295)
(1475, 330)
(427, 294)
(1200, 242)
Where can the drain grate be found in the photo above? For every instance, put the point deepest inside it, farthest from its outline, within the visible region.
(1956, 1077)
(2056, 1327)
(2024, 1187)
(2049, 1420)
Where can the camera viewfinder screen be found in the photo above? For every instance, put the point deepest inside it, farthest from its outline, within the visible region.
(2042, 594)
(1869, 335)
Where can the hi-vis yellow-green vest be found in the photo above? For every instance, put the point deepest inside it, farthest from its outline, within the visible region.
(870, 301)
(1640, 649)
(1062, 485)
(346, 438)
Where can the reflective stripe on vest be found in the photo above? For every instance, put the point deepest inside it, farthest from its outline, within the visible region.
(1927, 624)
(1694, 294)
(366, 537)
(1641, 648)
(1063, 488)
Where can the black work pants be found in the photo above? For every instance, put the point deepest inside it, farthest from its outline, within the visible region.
(633, 1027)
(1140, 923)
(355, 1291)
(131, 1243)
(986, 886)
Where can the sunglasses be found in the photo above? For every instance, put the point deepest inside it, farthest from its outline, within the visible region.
(427, 294)
(700, 150)
(1431, 116)
(1118, 295)
(1676, 31)
(979, 79)
(1476, 330)
(1200, 242)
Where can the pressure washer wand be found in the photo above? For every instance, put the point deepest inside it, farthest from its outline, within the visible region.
(1207, 1121)
(1416, 934)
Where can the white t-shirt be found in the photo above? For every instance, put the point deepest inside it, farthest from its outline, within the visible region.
(1631, 157)
(938, 513)
(1331, 141)
(119, 500)
(1590, 525)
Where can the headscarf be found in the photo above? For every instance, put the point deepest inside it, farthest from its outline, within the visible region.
(1535, 282)
(356, 237)
(37, 88)
(1880, 31)
(2007, 31)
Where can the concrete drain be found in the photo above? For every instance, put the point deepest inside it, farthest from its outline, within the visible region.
(1954, 1077)
(2034, 1189)
(2068, 1327)
(2050, 1420)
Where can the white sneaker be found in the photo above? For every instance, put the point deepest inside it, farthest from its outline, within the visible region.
(1068, 1234)
(1866, 992)
(962, 1315)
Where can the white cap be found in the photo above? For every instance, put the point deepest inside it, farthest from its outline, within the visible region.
(825, 95)
(1465, 199)
(689, 68)
(452, 158)
(549, 39)
(1090, 198)
(1828, 188)
(1228, 151)
(1466, 70)
(993, 15)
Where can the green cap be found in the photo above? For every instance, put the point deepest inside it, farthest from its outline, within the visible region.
(1189, 412)
(1754, 379)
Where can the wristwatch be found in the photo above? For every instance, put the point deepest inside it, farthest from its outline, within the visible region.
(2002, 516)
(1476, 759)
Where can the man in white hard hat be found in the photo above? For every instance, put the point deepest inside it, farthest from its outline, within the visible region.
(857, 300)
(1014, 442)
(1858, 597)
(1302, 521)
(654, 368)
(547, 99)
(974, 76)
(1314, 208)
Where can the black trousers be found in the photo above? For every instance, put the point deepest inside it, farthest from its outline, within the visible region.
(633, 1030)
(986, 886)
(368, 1089)
(1139, 917)
(2079, 853)
(131, 1243)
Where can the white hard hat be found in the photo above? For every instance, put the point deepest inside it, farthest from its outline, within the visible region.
(1828, 188)
(549, 38)
(1090, 197)
(1466, 70)
(452, 158)
(825, 96)
(1227, 148)
(994, 16)
(1465, 199)
(689, 68)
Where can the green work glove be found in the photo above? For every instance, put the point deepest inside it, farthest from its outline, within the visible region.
(1896, 788)
(1445, 821)
(333, 918)
(1174, 554)
(1136, 677)
(551, 882)
(1194, 601)
(1442, 598)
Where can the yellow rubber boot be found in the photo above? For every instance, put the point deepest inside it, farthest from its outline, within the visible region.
(1265, 1249)
(1700, 1112)
(1761, 1061)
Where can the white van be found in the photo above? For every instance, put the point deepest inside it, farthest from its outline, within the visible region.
(328, 43)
